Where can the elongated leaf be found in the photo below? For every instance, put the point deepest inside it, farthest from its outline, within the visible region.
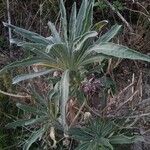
(23, 77)
(109, 35)
(63, 20)
(36, 135)
(22, 63)
(31, 109)
(122, 139)
(78, 43)
(38, 98)
(98, 26)
(25, 122)
(93, 59)
(119, 51)
(80, 134)
(88, 19)
(54, 32)
(38, 49)
(80, 55)
(80, 17)
(83, 146)
(60, 52)
(72, 23)
(51, 38)
(64, 96)
(15, 41)
(105, 142)
(32, 36)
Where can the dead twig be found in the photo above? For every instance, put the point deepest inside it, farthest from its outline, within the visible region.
(9, 21)
(119, 15)
(14, 95)
(78, 113)
(129, 99)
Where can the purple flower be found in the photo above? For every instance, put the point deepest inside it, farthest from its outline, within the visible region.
(91, 86)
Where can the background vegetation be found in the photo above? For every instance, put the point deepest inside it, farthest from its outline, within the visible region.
(127, 83)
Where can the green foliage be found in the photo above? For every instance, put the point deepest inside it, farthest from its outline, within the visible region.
(2, 42)
(2, 140)
(43, 115)
(118, 5)
(68, 50)
(101, 135)
(101, 4)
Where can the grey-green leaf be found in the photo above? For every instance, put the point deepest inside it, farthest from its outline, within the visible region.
(38, 49)
(25, 122)
(63, 21)
(80, 17)
(72, 23)
(32, 36)
(60, 53)
(22, 63)
(88, 19)
(35, 135)
(109, 35)
(41, 101)
(106, 143)
(78, 43)
(23, 77)
(31, 109)
(122, 139)
(93, 59)
(119, 51)
(98, 26)
(54, 32)
(64, 96)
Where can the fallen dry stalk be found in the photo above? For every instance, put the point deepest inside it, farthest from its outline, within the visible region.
(14, 95)
(119, 15)
(82, 106)
(129, 99)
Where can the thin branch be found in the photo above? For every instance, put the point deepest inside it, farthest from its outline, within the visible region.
(14, 95)
(74, 119)
(129, 99)
(9, 21)
(119, 15)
